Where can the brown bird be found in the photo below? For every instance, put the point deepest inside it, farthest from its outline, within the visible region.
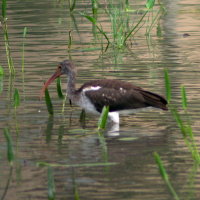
(120, 96)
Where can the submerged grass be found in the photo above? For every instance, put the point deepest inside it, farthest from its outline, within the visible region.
(51, 185)
(164, 175)
(6, 38)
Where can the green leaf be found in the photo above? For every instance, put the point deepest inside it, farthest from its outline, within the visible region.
(10, 152)
(184, 97)
(150, 4)
(160, 166)
(48, 102)
(59, 89)
(167, 85)
(159, 31)
(1, 84)
(45, 164)
(91, 19)
(51, 185)
(4, 5)
(24, 32)
(16, 98)
(1, 71)
(103, 118)
(165, 175)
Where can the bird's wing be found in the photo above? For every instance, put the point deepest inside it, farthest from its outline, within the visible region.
(116, 99)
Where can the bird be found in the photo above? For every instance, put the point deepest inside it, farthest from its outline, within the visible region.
(92, 96)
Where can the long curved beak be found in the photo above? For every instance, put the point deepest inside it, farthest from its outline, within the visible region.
(50, 80)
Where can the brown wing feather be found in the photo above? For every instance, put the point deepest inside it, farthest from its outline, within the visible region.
(120, 95)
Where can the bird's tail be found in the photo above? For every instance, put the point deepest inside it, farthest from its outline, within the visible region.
(155, 100)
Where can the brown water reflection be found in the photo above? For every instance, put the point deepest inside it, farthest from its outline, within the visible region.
(62, 139)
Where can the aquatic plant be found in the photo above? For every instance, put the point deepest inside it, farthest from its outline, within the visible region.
(185, 126)
(188, 135)
(121, 29)
(103, 118)
(183, 97)
(10, 151)
(164, 175)
(16, 98)
(167, 85)
(6, 38)
(1, 79)
(96, 164)
(48, 102)
(1, 71)
(59, 88)
(72, 5)
(23, 44)
(51, 185)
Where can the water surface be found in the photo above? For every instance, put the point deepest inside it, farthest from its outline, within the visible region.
(63, 139)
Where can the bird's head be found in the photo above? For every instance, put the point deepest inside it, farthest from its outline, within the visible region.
(65, 67)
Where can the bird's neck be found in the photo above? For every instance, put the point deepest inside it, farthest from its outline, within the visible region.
(71, 85)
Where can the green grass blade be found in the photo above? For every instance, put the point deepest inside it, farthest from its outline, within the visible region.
(51, 185)
(24, 36)
(103, 118)
(159, 31)
(94, 22)
(184, 97)
(179, 121)
(72, 5)
(1, 84)
(16, 98)
(150, 4)
(135, 27)
(4, 5)
(59, 89)
(70, 40)
(24, 32)
(48, 102)
(1, 71)
(45, 164)
(167, 85)
(10, 152)
(165, 175)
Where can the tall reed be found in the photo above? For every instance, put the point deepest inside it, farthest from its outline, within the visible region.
(23, 44)
(164, 175)
(6, 38)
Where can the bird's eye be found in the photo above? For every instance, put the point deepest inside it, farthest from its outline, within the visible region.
(59, 67)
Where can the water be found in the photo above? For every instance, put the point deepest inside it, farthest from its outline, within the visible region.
(63, 139)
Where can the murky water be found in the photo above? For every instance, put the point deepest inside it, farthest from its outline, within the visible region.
(63, 139)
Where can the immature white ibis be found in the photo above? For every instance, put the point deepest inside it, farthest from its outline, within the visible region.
(120, 96)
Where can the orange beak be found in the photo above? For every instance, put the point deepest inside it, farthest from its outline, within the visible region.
(50, 80)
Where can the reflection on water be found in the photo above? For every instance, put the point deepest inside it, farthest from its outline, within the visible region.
(67, 138)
